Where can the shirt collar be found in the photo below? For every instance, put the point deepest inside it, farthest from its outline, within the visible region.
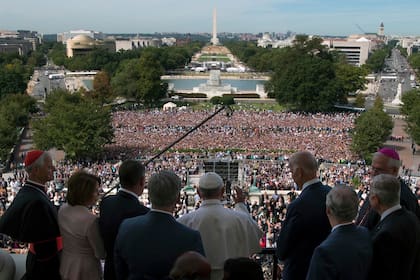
(390, 210)
(129, 192)
(161, 211)
(310, 182)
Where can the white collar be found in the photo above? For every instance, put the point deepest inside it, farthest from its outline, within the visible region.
(129, 192)
(340, 225)
(310, 182)
(36, 186)
(390, 210)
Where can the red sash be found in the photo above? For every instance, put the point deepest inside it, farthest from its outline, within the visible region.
(58, 240)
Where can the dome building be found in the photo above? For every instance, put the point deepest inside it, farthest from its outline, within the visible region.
(83, 44)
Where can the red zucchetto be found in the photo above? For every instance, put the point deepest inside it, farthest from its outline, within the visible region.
(32, 156)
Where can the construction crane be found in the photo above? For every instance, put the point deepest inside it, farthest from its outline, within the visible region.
(361, 29)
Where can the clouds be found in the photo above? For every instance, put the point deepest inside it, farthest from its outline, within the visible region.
(145, 16)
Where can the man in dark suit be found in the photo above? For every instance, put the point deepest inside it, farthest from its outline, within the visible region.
(32, 218)
(306, 224)
(387, 161)
(115, 208)
(147, 246)
(396, 239)
(346, 254)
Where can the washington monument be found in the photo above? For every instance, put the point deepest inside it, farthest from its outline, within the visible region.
(214, 39)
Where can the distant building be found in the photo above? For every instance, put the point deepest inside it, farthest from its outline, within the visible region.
(381, 31)
(20, 41)
(136, 43)
(83, 44)
(171, 41)
(65, 36)
(412, 44)
(356, 51)
(268, 42)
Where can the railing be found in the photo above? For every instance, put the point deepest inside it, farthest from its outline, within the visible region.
(269, 263)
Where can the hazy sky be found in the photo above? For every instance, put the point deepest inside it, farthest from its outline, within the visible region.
(323, 17)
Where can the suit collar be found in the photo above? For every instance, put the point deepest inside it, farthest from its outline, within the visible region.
(390, 211)
(379, 225)
(160, 211)
(126, 192)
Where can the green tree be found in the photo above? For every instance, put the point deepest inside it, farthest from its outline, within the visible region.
(305, 81)
(151, 88)
(12, 79)
(140, 79)
(409, 99)
(125, 81)
(74, 124)
(378, 103)
(227, 99)
(215, 100)
(360, 101)
(414, 61)
(371, 130)
(102, 87)
(14, 111)
(350, 77)
(376, 60)
(8, 137)
(411, 109)
(413, 123)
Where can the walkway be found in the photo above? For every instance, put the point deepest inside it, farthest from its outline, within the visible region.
(409, 159)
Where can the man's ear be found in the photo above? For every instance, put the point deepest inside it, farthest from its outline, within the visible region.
(328, 211)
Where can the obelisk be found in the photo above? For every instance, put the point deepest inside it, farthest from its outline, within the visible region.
(214, 39)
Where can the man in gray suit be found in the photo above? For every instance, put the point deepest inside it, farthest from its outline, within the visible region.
(347, 252)
(147, 246)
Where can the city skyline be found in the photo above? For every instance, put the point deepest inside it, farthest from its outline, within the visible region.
(321, 17)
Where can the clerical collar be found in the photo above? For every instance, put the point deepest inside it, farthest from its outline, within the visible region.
(36, 185)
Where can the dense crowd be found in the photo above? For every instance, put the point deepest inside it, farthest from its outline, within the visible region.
(247, 132)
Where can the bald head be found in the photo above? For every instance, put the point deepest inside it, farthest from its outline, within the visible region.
(304, 167)
(304, 160)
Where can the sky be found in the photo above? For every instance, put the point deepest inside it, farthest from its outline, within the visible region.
(318, 17)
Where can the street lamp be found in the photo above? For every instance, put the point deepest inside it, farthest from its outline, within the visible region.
(254, 191)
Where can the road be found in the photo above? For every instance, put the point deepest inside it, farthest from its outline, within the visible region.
(40, 85)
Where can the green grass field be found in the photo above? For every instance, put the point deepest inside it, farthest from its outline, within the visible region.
(223, 58)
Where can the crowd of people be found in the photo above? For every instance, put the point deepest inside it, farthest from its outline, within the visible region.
(247, 132)
(265, 143)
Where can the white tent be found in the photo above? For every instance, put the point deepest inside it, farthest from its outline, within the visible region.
(169, 106)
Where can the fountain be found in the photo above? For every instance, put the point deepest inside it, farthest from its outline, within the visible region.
(214, 86)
